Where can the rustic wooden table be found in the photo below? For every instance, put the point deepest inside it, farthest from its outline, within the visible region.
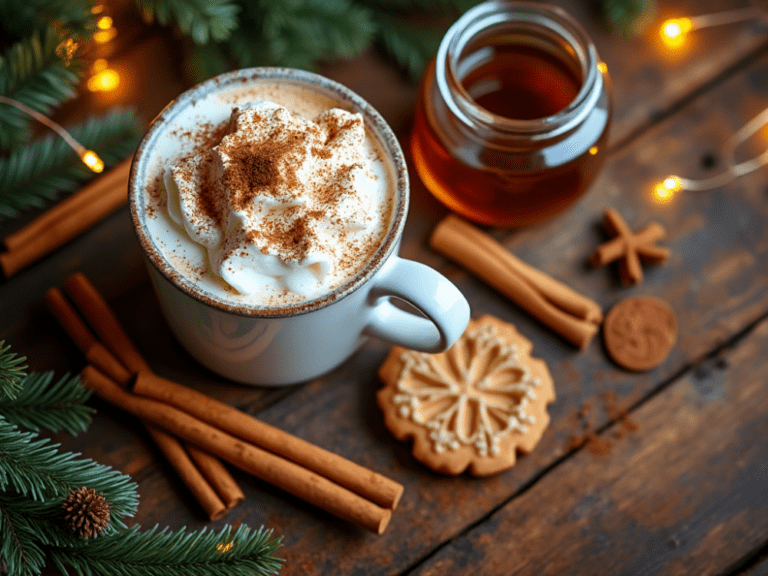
(677, 480)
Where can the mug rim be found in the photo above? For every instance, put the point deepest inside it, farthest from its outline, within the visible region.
(373, 121)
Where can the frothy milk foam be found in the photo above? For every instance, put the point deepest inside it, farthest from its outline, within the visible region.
(268, 194)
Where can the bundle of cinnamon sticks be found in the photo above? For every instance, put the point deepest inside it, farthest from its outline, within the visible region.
(569, 313)
(67, 219)
(117, 373)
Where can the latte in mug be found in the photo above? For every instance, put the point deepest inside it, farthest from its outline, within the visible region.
(272, 196)
(270, 204)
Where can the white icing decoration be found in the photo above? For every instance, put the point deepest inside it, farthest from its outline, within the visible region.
(470, 405)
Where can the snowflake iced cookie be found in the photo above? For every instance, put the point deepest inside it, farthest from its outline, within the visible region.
(474, 406)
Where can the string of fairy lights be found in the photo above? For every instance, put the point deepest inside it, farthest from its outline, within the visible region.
(674, 34)
(102, 78)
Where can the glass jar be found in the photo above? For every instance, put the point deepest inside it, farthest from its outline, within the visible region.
(513, 113)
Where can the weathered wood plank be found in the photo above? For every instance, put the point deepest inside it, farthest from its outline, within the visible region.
(760, 568)
(686, 494)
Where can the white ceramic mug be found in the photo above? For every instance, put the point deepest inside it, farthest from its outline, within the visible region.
(253, 345)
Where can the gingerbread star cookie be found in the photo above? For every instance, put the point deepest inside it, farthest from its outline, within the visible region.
(472, 407)
(630, 248)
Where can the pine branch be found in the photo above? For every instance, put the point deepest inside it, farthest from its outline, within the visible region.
(202, 20)
(32, 73)
(12, 372)
(19, 19)
(203, 61)
(35, 469)
(299, 34)
(204, 553)
(411, 46)
(432, 6)
(19, 547)
(42, 170)
(45, 404)
(43, 519)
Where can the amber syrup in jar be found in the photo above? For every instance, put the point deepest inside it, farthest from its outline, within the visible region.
(513, 114)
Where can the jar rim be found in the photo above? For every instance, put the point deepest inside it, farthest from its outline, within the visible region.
(544, 17)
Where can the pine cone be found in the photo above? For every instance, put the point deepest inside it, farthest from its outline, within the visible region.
(85, 512)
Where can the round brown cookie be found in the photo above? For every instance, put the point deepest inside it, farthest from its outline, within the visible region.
(474, 406)
(639, 332)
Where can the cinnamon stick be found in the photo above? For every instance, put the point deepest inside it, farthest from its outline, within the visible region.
(559, 294)
(217, 475)
(567, 312)
(104, 322)
(203, 492)
(291, 477)
(367, 483)
(66, 219)
(208, 493)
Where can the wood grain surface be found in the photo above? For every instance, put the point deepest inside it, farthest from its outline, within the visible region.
(662, 472)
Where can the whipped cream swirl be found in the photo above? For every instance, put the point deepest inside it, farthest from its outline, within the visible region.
(282, 203)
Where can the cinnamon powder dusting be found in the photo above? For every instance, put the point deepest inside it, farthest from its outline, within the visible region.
(255, 168)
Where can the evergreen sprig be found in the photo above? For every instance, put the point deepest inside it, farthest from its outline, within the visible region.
(36, 477)
(12, 372)
(34, 468)
(201, 20)
(45, 168)
(411, 45)
(31, 72)
(242, 552)
(19, 19)
(52, 405)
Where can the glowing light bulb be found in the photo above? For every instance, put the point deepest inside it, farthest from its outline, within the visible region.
(92, 160)
(104, 36)
(602, 67)
(674, 31)
(104, 23)
(104, 80)
(664, 191)
(593, 150)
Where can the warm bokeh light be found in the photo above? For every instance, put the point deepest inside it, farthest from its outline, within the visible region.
(664, 191)
(593, 150)
(104, 36)
(92, 160)
(103, 79)
(98, 9)
(104, 23)
(603, 67)
(673, 31)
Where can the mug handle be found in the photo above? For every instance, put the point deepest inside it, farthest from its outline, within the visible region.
(445, 308)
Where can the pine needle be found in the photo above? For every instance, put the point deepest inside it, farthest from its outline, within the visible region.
(32, 73)
(52, 405)
(20, 18)
(12, 372)
(35, 469)
(242, 552)
(48, 167)
(201, 20)
(410, 45)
